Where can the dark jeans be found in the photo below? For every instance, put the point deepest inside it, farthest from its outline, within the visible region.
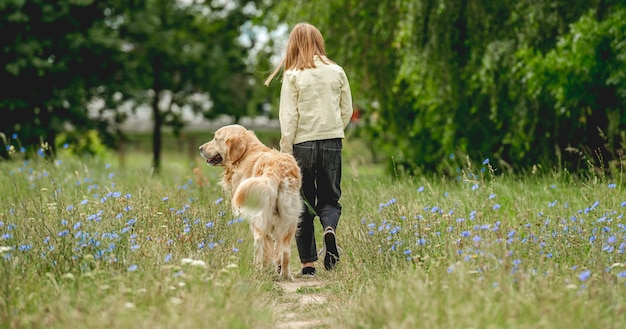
(320, 164)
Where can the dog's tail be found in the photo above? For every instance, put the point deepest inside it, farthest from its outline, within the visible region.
(256, 193)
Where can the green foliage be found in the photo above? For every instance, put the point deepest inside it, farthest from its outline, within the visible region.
(184, 50)
(439, 79)
(81, 143)
(53, 55)
(528, 84)
(86, 64)
(585, 76)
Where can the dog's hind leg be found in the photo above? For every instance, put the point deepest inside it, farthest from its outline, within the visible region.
(268, 250)
(263, 248)
(283, 247)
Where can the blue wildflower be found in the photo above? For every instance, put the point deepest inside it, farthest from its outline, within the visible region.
(25, 247)
(584, 275)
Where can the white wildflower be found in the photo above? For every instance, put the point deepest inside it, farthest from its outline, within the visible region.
(176, 300)
(198, 263)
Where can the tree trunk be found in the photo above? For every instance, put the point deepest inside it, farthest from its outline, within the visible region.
(426, 23)
(460, 45)
(158, 116)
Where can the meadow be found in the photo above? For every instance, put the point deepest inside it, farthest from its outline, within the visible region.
(86, 243)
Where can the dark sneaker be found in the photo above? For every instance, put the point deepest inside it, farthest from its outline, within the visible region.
(331, 257)
(309, 270)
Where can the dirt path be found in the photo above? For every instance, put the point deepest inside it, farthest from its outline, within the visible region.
(296, 308)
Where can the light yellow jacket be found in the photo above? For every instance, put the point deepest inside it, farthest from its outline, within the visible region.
(315, 104)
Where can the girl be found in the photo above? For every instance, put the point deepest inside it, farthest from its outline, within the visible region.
(315, 109)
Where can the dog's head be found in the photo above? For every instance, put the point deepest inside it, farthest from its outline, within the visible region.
(227, 146)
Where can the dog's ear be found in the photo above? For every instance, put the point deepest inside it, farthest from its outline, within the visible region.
(235, 146)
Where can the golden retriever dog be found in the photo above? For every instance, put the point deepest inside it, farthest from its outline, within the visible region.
(265, 188)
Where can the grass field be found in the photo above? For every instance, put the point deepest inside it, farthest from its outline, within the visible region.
(87, 244)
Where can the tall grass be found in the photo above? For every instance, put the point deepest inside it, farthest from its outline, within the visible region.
(485, 251)
(86, 243)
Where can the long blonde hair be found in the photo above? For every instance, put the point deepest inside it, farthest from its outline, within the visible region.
(305, 41)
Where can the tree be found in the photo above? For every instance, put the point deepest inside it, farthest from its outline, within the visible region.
(182, 55)
(55, 54)
(442, 79)
(585, 75)
(61, 56)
